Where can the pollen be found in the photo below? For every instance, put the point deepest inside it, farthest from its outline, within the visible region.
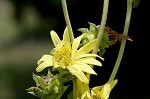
(63, 53)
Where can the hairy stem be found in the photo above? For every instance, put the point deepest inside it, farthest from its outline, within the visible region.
(66, 16)
(102, 25)
(101, 30)
(122, 46)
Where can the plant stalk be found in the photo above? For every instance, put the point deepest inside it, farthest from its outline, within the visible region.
(66, 16)
(101, 30)
(75, 89)
(122, 46)
(102, 25)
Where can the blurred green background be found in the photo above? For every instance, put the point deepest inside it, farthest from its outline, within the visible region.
(24, 38)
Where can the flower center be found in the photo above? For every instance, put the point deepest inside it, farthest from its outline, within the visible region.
(98, 95)
(63, 53)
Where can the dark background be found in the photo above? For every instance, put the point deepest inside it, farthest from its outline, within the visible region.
(24, 38)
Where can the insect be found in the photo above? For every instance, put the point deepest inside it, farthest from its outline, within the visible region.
(114, 36)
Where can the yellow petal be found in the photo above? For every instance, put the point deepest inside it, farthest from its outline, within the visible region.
(55, 63)
(43, 65)
(76, 43)
(52, 52)
(78, 73)
(85, 68)
(87, 55)
(109, 86)
(66, 36)
(97, 88)
(87, 48)
(86, 95)
(88, 60)
(55, 38)
(45, 58)
(62, 64)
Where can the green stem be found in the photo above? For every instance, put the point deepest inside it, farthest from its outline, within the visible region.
(75, 89)
(66, 16)
(122, 46)
(101, 30)
(102, 25)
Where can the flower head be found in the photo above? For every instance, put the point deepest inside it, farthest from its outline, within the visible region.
(100, 92)
(69, 55)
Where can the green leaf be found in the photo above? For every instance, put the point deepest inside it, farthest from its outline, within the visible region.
(83, 30)
(105, 37)
(50, 96)
(31, 91)
(84, 41)
(62, 91)
(35, 91)
(93, 29)
(102, 51)
(39, 81)
(92, 26)
(50, 86)
(136, 3)
(54, 85)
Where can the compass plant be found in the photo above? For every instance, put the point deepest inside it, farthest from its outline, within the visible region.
(71, 56)
(74, 58)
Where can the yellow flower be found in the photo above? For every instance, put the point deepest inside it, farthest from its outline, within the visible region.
(68, 55)
(100, 92)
